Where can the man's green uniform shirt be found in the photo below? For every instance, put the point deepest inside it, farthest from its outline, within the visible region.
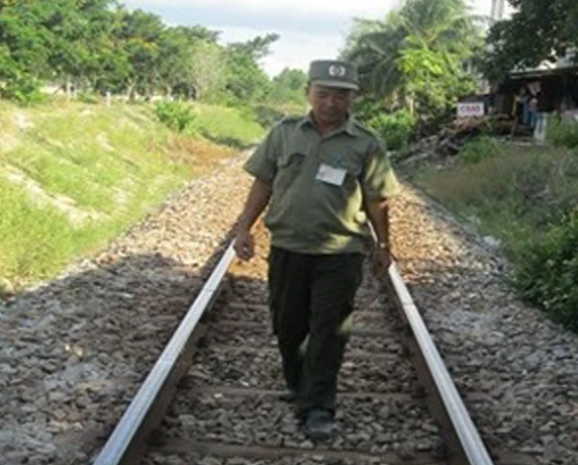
(310, 216)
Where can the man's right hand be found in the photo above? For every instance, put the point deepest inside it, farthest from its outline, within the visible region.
(244, 245)
(385, 258)
(255, 204)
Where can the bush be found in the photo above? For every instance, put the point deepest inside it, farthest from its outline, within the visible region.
(267, 115)
(23, 89)
(548, 272)
(89, 98)
(395, 128)
(563, 133)
(234, 127)
(481, 148)
(176, 115)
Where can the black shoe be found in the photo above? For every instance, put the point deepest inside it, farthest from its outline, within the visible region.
(319, 424)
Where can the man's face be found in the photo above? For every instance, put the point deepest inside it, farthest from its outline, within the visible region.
(330, 105)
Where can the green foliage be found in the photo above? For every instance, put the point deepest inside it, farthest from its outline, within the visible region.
(23, 89)
(563, 133)
(209, 71)
(528, 198)
(256, 48)
(25, 38)
(236, 127)
(23, 223)
(414, 59)
(178, 116)
(394, 128)
(141, 34)
(246, 81)
(90, 98)
(548, 272)
(96, 170)
(100, 46)
(537, 31)
(60, 40)
(229, 126)
(174, 63)
(290, 86)
(82, 174)
(536, 184)
(267, 115)
(481, 148)
(435, 79)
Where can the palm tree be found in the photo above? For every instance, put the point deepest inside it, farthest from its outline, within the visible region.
(412, 48)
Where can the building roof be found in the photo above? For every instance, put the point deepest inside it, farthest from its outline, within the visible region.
(543, 72)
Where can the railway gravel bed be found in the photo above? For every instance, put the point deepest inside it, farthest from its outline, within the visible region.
(370, 371)
(230, 398)
(492, 343)
(74, 350)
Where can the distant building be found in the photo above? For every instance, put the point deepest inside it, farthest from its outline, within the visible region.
(556, 85)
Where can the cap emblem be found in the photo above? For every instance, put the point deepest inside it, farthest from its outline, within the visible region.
(337, 71)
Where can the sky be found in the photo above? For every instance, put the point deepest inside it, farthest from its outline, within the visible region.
(309, 29)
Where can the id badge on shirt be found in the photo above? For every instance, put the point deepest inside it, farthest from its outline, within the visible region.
(331, 175)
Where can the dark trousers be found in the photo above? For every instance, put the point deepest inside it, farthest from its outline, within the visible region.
(311, 299)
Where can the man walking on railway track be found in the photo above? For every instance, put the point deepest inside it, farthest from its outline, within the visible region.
(322, 176)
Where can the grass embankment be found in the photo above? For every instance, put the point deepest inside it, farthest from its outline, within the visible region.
(73, 176)
(527, 197)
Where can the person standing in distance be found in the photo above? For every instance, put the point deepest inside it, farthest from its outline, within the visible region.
(322, 176)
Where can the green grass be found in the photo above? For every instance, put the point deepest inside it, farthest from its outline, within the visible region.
(481, 148)
(231, 126)
(34, 241)
(513, 196)
(528, 198)
(563, 133)
(98, 169)
(91, 153)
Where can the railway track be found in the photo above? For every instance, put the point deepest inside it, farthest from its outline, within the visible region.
(213, 396)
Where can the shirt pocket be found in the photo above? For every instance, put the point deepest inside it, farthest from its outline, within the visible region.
(352, 166)
(289, 167)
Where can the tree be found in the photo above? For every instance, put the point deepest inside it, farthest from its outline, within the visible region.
(537, 31)
(139, 38)
(289, 86)
(414, 58)
(175, 59)
(375, 46)
(100, 46)
(24, 46)
(200, 33)
(246, 80)
(257, 48)
(209, 71)
(61, 41)
(80, 34)
(110, 67)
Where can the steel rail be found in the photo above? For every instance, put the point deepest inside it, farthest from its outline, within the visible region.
(464, 444)
(126, 445)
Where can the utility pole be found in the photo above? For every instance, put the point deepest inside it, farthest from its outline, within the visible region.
(498, 9)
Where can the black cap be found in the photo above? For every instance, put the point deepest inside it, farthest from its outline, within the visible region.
(333, 73)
